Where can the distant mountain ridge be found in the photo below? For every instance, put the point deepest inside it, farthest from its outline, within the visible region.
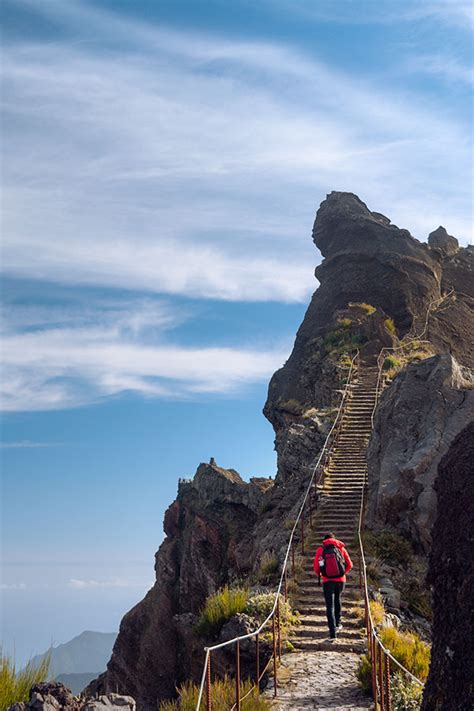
(88, 652)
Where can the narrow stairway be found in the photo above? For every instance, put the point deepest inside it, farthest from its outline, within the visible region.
(310, 681)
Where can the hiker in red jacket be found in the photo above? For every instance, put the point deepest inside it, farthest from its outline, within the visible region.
(331, 563)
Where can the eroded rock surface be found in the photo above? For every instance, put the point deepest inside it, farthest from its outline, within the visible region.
(419, 416)
(451, 573)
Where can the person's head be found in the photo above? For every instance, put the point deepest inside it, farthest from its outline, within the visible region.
(327, 535)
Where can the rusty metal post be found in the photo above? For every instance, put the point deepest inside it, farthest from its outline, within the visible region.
(387, 683)
(286, 583)
(275, 681)
(373, 660)
(279, 628)
(237, 675)
(208, 684)
(257, 663)
(292, 559)
(381, 678)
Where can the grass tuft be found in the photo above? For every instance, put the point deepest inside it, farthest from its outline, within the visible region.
(15, 685)
(222, 697)
(219, 608)
(409, 649)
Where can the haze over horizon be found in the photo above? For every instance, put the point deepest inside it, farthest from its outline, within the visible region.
(162, 165)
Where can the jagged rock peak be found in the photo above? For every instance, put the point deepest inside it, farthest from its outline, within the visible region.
(447, 244)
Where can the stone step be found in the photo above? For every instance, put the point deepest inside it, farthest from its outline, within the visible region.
(326, 646)
(350, 634)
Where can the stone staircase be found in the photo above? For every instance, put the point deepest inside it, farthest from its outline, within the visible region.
(338, 511)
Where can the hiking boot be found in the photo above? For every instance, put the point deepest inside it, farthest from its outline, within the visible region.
(339, 627)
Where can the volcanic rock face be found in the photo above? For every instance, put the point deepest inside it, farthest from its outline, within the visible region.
(219, 526)
(415, 423)
(208, 543)
(451, 573)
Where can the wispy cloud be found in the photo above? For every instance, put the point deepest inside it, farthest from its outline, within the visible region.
(113, 583)
(185, 163)
(13, 586)
(26, 444)
(74, 360)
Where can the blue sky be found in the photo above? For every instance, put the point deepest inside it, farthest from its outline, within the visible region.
(162, 164)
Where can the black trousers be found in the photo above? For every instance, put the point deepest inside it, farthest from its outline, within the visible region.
(332, 595)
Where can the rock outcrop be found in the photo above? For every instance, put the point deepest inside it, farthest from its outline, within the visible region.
(418, 417)
(54, 696)
(377, 283)
(451, 573)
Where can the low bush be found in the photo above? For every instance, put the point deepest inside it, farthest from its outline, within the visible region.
(222, 697)
(406, 694)
(219, 608)
(368, 308)
(409, 649)
(364, 674)
(15, 685)
(390, 547)
(269, 566)
(377, 610)
(390, 326)
(344, 322)
(391, 364)
(260, 606)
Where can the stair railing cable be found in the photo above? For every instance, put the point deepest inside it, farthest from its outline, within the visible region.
(274, 614)
(380, 657)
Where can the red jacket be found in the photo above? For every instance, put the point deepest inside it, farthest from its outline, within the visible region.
(347, 560)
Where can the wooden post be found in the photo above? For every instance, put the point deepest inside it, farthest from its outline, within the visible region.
(208, 684)
(275, 689)
(257, 664)
(237, 675)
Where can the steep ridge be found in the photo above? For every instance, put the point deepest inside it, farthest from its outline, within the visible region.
(376, 283)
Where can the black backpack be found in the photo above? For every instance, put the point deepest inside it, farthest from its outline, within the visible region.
(334, 565)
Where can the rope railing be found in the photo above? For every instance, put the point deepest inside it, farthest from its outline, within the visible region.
(274, 615)
(380, 657)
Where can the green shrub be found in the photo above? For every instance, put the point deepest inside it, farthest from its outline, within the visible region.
(391, 363)
(269, 566)
(368, 308)
(219, 608)
(364, 674)
(15, 685)
(344, 322)
(377, 610)
(222, 697)
(390, 326)
(389, 547)
(409, 649)
(406, 694)
(260, 606)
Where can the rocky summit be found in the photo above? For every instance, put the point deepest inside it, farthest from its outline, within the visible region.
(378, 285)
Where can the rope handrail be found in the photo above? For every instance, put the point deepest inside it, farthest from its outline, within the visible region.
(372, 634)
(256, 632)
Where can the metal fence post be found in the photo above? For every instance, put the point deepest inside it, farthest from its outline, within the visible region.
(387, 683)
(257, 663)
(292, 559)
(279, 628)
(373, 659)
(381, 678)
(208, 684)
(275, 688)
(302, 533)
(237, 675)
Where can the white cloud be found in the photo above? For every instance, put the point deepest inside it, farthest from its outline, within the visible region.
(84, 357)
(13, 586)
(447, 67)
(191, 164)
(113, 583)
(26, 444)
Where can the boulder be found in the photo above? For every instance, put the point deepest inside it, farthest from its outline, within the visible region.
(447, 244)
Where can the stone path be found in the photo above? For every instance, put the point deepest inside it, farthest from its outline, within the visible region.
(325, 681)
(321, 674)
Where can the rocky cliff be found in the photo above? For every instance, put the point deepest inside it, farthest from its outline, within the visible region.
(450, 685)
(376, 285)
